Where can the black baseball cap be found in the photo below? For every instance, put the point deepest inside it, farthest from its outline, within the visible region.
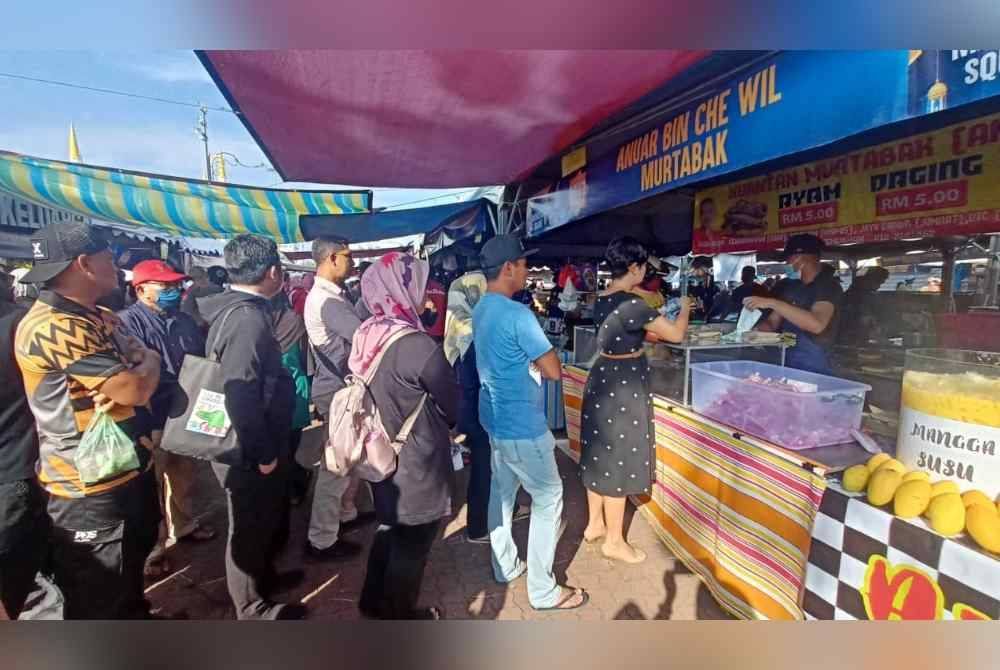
(803, 243)
(501, 249)
(55, 247)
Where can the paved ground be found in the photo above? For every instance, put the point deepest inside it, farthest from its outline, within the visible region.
(458, 576)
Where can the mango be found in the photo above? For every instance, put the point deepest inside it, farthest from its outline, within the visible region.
(856, 478)
(882, 486)
(916, 476)
(944, 486)
(911, 499)
(984, 526)
(892, 464)
(975, 497)
(947, 514)
(875, 461)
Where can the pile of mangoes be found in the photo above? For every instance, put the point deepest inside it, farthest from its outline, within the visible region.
(946, 507)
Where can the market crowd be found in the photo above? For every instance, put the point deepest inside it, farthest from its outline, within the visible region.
(105, 403)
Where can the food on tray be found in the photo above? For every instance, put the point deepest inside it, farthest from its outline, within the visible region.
(974, 497)
(969, 396)
(856, 478)
(745, 218)
(882, 486)
(983, 524)
(877, 460)
(893, 464)
(947, 514)
(945, 486)
(916, 475)
(911, 499)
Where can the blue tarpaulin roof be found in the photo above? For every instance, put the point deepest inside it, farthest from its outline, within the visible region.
(458, 221)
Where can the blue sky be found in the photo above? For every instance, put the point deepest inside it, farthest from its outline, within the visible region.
(132, 133)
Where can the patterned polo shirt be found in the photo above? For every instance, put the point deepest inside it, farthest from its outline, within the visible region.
(66, 350)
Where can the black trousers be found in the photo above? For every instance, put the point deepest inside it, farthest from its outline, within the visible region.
(258, 514)
(478, 496)
(396, 569)
(99, 547)
(24, 541)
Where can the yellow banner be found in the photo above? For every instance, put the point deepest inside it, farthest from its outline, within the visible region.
(945, 182)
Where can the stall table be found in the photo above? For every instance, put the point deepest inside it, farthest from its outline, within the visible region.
(758, 523)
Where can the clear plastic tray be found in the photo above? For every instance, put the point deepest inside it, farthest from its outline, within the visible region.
(791, 419)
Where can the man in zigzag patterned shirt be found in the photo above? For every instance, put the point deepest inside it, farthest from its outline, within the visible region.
(71, 358)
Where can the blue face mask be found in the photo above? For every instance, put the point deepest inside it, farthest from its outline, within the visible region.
(169, 299)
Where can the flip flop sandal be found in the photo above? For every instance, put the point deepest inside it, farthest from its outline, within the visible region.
(558, 607)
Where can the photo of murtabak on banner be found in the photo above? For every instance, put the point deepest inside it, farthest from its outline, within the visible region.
(937, 183)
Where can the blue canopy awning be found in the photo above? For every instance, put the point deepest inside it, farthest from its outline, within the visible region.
(458, 221)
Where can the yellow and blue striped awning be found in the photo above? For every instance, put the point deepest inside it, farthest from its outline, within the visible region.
(174, 206)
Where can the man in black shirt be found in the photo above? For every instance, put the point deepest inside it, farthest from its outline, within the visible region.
(808, 305)
(23, 522)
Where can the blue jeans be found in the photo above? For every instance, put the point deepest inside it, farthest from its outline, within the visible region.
(530, 463)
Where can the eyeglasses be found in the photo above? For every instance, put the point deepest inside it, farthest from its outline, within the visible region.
(164, 286)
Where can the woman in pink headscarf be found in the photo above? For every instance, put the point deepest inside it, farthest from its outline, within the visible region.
(410, 504)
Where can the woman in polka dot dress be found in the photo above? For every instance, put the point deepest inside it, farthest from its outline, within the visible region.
(616, 434)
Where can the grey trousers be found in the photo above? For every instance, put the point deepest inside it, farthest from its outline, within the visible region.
(256, 504)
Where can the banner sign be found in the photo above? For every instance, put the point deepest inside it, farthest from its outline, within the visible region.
(17, 212)
(792, 101)
(937, 183)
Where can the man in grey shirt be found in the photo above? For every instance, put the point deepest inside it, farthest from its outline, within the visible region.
(331, 319)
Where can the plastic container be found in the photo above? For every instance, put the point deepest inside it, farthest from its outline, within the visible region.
(791, 419)
(949, 419)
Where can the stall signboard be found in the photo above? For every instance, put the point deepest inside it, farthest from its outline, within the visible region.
(18, 212)
(936, 183)
(789, 102)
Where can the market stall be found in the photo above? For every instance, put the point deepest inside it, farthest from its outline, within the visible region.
(764, 503)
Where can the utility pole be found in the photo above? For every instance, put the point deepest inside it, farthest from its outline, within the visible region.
(202, 130)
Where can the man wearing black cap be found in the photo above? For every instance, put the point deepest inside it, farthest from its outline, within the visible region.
(808, 305)
(512, 356)
(71, 356)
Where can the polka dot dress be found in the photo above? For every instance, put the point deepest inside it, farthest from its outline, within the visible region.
(616, 423)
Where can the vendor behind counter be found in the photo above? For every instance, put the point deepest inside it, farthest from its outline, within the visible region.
(808, 305)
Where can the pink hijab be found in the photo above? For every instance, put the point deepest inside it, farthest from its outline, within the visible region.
(393, 290)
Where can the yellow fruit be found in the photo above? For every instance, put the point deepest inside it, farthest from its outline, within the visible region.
(916, 476)
(856, 478)
(947, 514)
(875, 461)
(911, 499)
(975, 497)
(984, 527)
(945, 486)
(892, 464)
(882, 486)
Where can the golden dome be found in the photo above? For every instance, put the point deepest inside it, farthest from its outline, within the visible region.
(938, 91)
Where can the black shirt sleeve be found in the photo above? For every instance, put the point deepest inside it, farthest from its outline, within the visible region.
(438, 379)
(828, 290)
(636, 314)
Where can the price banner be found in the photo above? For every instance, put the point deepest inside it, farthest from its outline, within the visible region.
(938, 183)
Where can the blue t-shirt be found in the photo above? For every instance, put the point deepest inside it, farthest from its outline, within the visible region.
(507, 339)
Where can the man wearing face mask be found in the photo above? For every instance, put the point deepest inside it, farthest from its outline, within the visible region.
(157, 321)
(807, 305)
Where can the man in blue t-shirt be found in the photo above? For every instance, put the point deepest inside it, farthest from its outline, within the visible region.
(512, 357)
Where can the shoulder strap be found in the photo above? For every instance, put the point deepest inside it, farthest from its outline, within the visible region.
(377, 361)
(212, 353)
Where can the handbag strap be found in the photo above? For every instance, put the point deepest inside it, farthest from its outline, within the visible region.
(212, 352)
(411, 419)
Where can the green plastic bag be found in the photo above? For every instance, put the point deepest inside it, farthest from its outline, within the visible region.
(105, 451)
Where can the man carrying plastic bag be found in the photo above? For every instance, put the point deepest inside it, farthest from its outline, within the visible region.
(103, 503)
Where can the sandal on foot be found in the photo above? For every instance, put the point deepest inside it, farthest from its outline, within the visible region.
(561, 605)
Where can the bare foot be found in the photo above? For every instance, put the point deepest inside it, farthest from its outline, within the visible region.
(624, 552)
(593, 533)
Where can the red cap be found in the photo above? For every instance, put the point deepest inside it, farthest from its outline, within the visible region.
(155, 271)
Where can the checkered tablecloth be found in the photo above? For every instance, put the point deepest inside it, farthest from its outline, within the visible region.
(850, 541)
